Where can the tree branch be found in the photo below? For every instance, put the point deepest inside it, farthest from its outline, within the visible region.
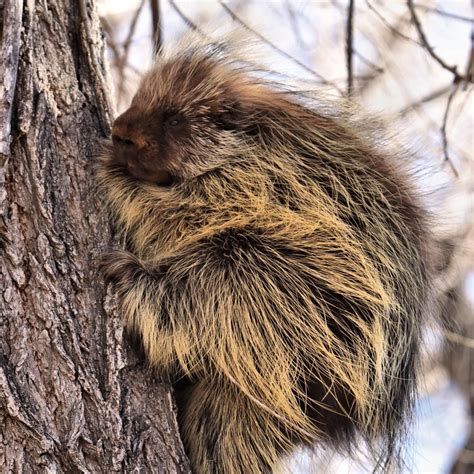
(131, 31)
(156, 24)
(446, 14)
(294, 24)
(350, 46)
(424, 41)
(122, 60)
(394, 30)
(425, 99)
(186, 19)
(444, 135)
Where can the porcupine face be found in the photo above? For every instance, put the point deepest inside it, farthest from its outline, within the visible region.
(182, 122)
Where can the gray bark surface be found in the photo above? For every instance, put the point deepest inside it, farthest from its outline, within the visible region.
(73, 397)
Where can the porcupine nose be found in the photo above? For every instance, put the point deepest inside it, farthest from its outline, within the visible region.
(126, 142)
(134, 151)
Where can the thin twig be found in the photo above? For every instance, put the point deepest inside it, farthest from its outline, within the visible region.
(368, 62)
(189, 23)
(393, 29)
(446, 14)
(131, 31)
(425, 99)
(350, 46)
(470, 62)
(123, 59)
(444, 135)
(156, 25)
(110, 37)
(390, 35)
(322, 79)
(456, 85)
(294, 24)
(376, 69)
(427, 45)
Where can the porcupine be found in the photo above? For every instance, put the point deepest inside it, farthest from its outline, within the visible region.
(278, 261)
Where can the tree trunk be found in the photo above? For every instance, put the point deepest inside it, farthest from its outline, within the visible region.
(73, 397)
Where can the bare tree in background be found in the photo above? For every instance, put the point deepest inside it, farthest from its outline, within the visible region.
(72, 398)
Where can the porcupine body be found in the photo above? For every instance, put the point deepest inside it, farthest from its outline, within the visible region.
(278, 262)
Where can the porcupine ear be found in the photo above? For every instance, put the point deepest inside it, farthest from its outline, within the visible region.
(229, 116)
(249, 111)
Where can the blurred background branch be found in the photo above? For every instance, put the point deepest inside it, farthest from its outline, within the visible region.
(155, 24)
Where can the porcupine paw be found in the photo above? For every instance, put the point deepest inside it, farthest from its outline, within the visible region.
(119, 266)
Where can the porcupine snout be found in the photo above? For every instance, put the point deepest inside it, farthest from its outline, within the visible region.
(137, 149)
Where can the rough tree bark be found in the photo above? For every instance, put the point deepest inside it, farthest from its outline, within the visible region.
(72, 396)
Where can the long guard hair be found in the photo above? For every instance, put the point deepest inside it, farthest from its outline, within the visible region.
(278, 261)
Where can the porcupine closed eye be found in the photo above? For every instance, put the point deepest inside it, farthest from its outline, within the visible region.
(278, 262)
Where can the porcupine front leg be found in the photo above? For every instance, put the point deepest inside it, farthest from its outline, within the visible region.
(138, 287)
(222, 429)
(120, 267)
